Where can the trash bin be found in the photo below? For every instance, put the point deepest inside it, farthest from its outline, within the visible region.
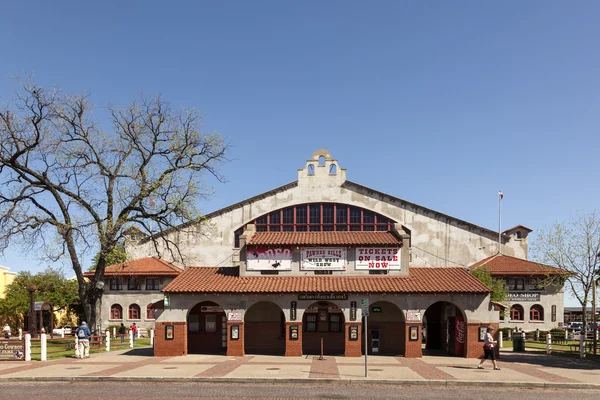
(518, 343)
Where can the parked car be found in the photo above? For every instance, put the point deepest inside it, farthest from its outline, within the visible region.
(58, 331)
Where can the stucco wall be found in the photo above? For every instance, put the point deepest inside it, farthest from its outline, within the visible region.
(436, 239)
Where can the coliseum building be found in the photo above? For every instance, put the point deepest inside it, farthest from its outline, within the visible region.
(302, 264)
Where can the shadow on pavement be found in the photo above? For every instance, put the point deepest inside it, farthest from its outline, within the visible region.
(550, 361)
(141, 351)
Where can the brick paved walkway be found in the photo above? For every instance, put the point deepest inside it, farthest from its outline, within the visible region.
(517, 368)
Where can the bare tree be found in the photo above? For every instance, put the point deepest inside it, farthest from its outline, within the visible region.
(573, 247)
(68, 187)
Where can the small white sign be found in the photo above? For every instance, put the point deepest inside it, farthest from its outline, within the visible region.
(234, 316)
(413, 316)
(323, 258)
(269, 259)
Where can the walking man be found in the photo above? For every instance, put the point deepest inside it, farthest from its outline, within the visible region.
(83, 335)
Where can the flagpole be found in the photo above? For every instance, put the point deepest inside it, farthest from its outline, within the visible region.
(500, 195)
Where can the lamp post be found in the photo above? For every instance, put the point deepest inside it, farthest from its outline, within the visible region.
(31, 288)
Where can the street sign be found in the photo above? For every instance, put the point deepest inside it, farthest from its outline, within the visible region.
(364, 305)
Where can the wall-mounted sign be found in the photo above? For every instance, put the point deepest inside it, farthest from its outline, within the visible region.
(235, 332)
(210, 309)
(414, 333)
(293, 332)
(234, 316)
(334, 309)
(353, 333)
(169, 332)
(375, 309)
(293, 311)
(323, 258)
(269, 259)
(413, 317)
(12, 350)
(352, 311)
(378, 258)
(524, 296)
(323, 296)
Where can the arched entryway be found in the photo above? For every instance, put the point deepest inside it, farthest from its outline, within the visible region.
(444, 327)
(264, 329)
(386, 329)
(323, 320)
(207, 329)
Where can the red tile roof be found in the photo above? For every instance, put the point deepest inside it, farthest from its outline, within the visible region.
(507, 265)
(324, 238)
(421, 280)
(142, 266)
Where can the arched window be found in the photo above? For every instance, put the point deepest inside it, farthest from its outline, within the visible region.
(516, 313)
(134, 311)
(116, 311)
(318, 217)
(536, 313)
(311, 169)
(150, 312)
(321, 161)
(332, 169)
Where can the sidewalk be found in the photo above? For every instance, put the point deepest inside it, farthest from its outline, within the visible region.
(517, 370)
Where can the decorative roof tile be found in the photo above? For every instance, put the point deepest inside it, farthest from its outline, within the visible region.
(142, 266)
(507, 265)
(324, 238)
(421, 280)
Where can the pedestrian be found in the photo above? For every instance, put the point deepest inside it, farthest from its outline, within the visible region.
(122, 332)
(134, 329)
(6, 331)
(83, 335)
(489, 348)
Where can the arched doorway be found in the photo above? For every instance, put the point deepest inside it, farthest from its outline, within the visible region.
(387, 328)
(323, 320)
(264, 329)
(207, 329)
(444, 326)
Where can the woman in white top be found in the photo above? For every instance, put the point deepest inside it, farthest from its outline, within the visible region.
(489, 350)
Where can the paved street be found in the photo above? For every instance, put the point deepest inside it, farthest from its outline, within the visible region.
(152, 391)
(530, 370)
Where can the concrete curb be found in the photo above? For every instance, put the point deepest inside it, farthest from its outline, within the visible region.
(312, 381)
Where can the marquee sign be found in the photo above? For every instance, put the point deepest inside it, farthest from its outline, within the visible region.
(323, 258)
(373, 258)
(269, 259)
(525, 296)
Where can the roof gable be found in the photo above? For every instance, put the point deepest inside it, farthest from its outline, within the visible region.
(148, 266)
(500, 264)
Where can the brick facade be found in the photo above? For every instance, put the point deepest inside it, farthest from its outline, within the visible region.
(353, 347)
(473, 345)
(170, 348)
(293, 348)
(235, 348)
(413, 347)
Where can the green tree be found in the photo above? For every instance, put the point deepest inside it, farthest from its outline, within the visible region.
(117, 256)
(52, 286)
(497, 286)
(574, 247)
(72, 187)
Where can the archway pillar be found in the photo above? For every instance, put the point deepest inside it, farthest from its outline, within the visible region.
(413, 347)
(235, 347)
(293, 347)
(177, 346)
(353, 348)
(473, 345)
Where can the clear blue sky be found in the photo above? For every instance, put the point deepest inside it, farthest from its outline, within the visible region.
(460, 99)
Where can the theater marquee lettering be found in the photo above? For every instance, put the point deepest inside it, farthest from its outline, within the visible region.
(529, 296)
(374, 258)
(323, 258)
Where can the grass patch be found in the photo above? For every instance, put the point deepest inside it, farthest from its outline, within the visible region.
(65, 348)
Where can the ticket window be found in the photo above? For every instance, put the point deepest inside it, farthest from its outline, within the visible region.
(375, 341)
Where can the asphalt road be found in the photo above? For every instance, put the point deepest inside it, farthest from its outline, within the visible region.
(175, 391)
